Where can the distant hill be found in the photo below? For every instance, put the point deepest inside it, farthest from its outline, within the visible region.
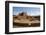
(24, 20)
(25, 16)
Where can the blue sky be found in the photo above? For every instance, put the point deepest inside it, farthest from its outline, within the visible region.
(33, 11)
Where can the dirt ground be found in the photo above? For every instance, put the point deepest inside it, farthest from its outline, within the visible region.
(27, 24)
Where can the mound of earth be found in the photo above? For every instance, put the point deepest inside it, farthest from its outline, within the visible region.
(23, 18)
